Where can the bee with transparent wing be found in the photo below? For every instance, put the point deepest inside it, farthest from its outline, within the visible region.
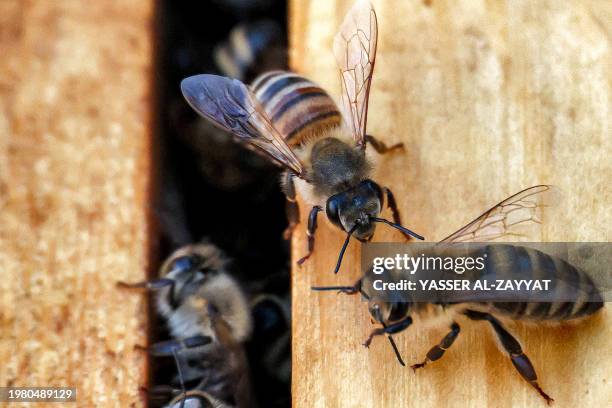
(296, 124)
(509, 218)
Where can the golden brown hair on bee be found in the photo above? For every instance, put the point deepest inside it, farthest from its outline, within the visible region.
(205, 300)
(200, 276)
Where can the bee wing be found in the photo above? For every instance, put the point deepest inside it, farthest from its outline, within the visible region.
(230, 105)
(355, 51)
(509, 217)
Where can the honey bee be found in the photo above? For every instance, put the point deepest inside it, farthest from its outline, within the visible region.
(504, 261)
(296, 124)
(208, 317)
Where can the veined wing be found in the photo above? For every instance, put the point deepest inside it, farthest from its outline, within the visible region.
(507, 218)
(230, 105)
(355, 51)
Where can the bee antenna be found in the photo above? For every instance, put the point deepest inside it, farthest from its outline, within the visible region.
(323, 288)
(346, 241)
(394, 347)
(399, 227)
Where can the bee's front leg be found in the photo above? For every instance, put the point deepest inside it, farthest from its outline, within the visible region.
(381, 147)
(153, 284)
(438, 350)
(392, 204)
(170, 347)
(349, 290)
(312, 228)
(391, 329)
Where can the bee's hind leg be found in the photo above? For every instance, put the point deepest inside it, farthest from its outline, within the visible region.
(513, 347)
(381, 147)
(437, 351)
(312, 228)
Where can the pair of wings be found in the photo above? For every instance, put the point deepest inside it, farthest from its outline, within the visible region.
(232, 106)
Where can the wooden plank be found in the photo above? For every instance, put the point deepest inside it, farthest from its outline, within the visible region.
(489, 97)
(75, 163)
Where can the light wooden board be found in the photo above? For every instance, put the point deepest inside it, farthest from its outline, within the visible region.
(75, 161)
(489, 97)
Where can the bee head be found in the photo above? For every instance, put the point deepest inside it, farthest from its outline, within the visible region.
(192, 264)
(187, 269)
(355, 207)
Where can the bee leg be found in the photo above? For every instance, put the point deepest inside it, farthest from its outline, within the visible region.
(391, 329)
(160, 390)
(169, 347)
(392, 204)
(154, 284)
(291, 207)
(438, 350)
(312, 228)
(381, 147)
(349, 290)
(519, 359)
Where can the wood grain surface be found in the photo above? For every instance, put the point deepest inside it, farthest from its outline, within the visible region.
(489, 97)
(75, 138)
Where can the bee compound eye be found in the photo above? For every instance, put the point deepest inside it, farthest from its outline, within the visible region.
(373, 186)
(186, 263)
(183, 263)
(331, 209)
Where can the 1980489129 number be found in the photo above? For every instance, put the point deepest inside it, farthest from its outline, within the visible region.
(37, 394)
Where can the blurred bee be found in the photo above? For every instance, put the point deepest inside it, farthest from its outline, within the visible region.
(248, 50)
(208, 317)
(296, 124)
(251, 47)
(503, 262)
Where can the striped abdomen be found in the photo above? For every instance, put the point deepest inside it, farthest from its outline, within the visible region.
(297, 107)
(572, 292)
